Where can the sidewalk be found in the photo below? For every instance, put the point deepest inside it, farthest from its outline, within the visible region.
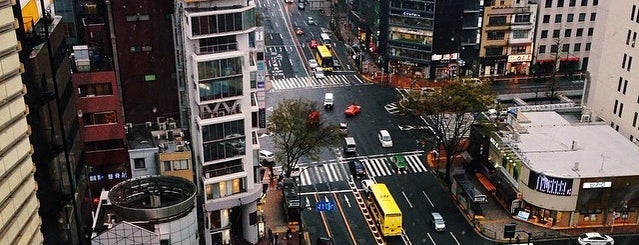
(275, 219)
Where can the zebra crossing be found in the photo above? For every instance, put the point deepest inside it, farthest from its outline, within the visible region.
(339, 171)
(312, 82)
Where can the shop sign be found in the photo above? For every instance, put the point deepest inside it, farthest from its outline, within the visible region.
(97, 177)
(550, 185)
(411, 14)
(519, 58)
(408, 63)
(594, 185)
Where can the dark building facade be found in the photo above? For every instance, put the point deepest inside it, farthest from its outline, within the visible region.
(61, 175)
(145, 58)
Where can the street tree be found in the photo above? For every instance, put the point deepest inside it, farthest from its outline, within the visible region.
(299, 129)
(450, 112)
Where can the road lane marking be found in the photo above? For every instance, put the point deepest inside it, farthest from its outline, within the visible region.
(347, 201)
(323, 215)
(431, 239)
(409, 204)
(429, 201)
(341, 211)
(455, 238)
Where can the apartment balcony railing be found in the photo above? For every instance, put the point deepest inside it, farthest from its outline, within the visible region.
(220, 113)
(220, 48)
(211, 173)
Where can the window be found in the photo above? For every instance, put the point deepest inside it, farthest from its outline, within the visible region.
(542, 49)
(139, 163)
(523, 34)
(577, 47)
(623, 62)
(496, 35)
(629, 63)
(558, 18)
(593, 16)
(591, 31)
(571, 3)
(620, 109)
(634, 120)
(548, 4)
(588, 46)
(553, 48)
(497, 20)
(180, 165)
(632, 13)
(567, 32)
(595, 2)
(137, 17)
(565, 47)
(219, 68)
(522, 18)
(555, 33)
(582, 17)
(544, 34)
(584, 2)
(628, 37)
(138, 48)
(518, 50)
(202, 25)
(497, 51)
(614, 109)
(547, 18)
(580, 32)
(560, 3)
(619, 84)
(97, 118)
(225, 188)
(625, 86)
(96, 89)
(570, 17)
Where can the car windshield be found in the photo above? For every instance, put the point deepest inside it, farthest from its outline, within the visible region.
(386, 138)
(584, 236)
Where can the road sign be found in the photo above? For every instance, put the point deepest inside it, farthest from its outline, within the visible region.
(325, 206)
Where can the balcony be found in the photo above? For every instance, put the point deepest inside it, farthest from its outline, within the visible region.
(221, 169)
(219, 113)
(220, 48)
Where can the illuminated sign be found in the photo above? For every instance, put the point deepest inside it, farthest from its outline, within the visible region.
(97, 177)
(519, 58)
(411, 14)
(594, 185)
(550, 185)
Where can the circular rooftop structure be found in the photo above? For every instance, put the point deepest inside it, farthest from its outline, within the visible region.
(153, 198)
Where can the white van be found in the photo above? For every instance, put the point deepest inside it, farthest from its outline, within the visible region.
(326, 40)
(328, 100)
(438, 221)
(350, 146)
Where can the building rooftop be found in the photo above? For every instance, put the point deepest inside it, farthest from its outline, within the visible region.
(557, 146)
(140, 137)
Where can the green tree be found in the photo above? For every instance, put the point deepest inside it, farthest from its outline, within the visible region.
(299, 129)
(450, 112)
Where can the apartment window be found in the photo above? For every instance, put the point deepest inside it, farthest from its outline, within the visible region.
(97, 118)
(560, 3)
(497, 51)
(180, 164)
(548, 4)
(542, 49)
(593, 16)
(632, 14)
(567, 32)
(584, 2)
(582, 17)
(225, 188)
(522, 18)
(634, 39)
(588, 46)
(614, 110)
(546, 18)
(96, 89)
(555, 33)
(140, 48)
(544, 34)
(139, 163)
(625, 86)
(497, 21)
(628, 37)
(518, 50)
(558, 18)
(202, 25)
(634, 120)
(554, 48)
(577, 47)
(137, 17)
(591, 31)
(580, 32)
(629, 63)
(496, 35)
(523, 34)
(565, 47)
(623, 62)
(619, 84)
(620, 109)
(219, 68)
(595, 2)
(571, 3)
(570, 17)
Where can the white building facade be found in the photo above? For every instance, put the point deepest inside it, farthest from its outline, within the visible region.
(613, 88)
(219, 50)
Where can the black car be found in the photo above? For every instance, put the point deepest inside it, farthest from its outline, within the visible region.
(324, 241)
(357, 168)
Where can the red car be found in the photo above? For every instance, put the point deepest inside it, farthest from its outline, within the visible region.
(353, 110)
(299, 31)
(313, 43)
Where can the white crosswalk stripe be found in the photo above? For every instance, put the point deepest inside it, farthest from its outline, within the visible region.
(338, 171)
(310, 82)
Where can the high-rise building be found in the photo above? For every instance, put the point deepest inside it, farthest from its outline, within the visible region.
(612, 90)
(19, 219)
(144, 58)
(507, 38)
(63, 190)
(221, 66)
(564, 34)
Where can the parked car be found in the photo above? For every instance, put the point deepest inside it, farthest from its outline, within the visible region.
(357, 168)
(310, 20)
(312, 63)
(385, 138)
(594, 238)
(399, 162)
(266, 156)
(352, 110)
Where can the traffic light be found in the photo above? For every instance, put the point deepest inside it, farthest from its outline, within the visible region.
(509, 230)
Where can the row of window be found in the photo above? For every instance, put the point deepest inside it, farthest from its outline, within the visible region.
(564, 48)
(569, 17)
(96, 118)
(501, 35)
(95, 89)
(140, 48)
(225, 188)
(571, 3)
(631, 41)
(176, 165)
(203, 25)
(567, 33)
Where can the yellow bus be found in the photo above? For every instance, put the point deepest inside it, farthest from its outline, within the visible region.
(324, 58)
(385, 211)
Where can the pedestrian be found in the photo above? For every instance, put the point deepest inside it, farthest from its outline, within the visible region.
(517, 239)
(275, 238)
(269, 234)
(289, 233)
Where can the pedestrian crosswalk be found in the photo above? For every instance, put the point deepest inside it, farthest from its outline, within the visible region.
(312, 82)
(339, 171)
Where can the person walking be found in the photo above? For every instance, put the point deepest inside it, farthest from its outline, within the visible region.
(269, 234)
(275, 238)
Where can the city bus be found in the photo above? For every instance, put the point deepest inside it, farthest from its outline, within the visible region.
(384, 209)
(324, 58)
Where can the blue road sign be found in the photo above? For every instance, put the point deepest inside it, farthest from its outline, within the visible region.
(325, 206)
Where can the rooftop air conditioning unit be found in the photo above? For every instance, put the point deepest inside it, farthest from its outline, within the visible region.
(162, 125)
(585, 118)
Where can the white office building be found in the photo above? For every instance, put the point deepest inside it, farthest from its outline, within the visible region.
(219, 49)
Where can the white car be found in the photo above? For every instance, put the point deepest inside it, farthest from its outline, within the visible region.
(319, 73)
(312, 63)
(366, 185)
(385, 138)
(310, 20)
(266, 156)
(594, 238)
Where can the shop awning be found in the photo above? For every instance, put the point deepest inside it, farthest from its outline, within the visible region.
(485, 182)
(562, 59)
